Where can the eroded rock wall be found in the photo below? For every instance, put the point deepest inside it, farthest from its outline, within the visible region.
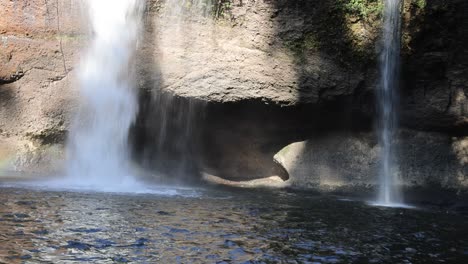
(263, 74)
(39, 45)
(311, 52)
(282, 52)
(260, 62)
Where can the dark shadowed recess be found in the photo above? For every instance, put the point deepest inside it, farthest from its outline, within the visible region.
(7, 95)
(434, 66)
(240, 139)
(164, 138)
(182, 138)
(8, 99)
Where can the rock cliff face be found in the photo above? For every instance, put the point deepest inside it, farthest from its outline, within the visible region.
(274, 51)
(245, 79)
(39, 41)
(435, 66)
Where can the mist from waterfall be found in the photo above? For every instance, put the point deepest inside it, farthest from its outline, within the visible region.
(170, 128)
(389, 192)
(98, 144)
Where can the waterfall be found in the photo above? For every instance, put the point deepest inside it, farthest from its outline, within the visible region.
(97, 147)
(389, 192)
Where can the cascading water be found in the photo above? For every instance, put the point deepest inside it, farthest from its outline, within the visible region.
(389, 193)
(168, 139)
(98, 155)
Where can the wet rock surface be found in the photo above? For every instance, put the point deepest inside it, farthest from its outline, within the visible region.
(228, 226)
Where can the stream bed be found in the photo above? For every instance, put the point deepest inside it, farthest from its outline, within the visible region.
(221, 226)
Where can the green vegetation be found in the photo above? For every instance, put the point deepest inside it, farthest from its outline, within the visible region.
(222, 8)
(48, 136)
(363, 8)
(299, 46)
(71, 37)
(342, 29)
(420, 3)
(214, 8)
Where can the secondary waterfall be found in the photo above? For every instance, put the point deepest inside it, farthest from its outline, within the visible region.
(98, 154)
(389, 192)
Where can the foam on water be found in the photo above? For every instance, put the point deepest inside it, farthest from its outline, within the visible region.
(378, 204)
(391, 205)
(130, 187)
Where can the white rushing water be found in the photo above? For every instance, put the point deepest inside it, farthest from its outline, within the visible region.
(98, 144)
(389, 192)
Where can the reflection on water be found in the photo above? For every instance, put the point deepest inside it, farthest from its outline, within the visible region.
(233, 226)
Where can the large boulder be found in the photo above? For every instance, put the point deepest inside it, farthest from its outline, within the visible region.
(337, 160)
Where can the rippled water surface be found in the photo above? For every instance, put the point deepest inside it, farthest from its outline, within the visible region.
(222, 226)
